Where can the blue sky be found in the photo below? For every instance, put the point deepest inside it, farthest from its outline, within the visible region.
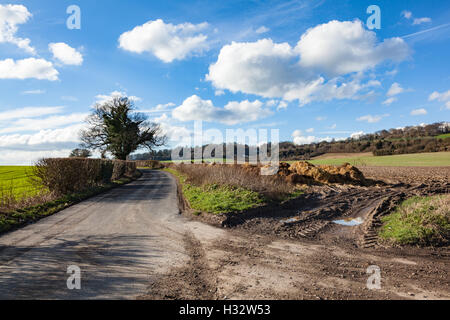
(309, 68)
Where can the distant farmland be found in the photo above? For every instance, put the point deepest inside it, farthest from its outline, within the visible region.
(433, 159)
(438, 159)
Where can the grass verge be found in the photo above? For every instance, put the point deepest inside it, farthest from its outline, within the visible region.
(217, 199)
(419, 221)
(18, 218)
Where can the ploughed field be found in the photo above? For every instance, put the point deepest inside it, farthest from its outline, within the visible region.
(349, 214)
(436, 159)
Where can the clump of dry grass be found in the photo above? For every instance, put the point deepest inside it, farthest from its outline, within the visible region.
(247, 177)
(10, 201)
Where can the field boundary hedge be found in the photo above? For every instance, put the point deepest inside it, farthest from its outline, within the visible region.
(64, 176)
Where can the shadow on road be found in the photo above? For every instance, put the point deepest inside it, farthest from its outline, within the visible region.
(111, 266)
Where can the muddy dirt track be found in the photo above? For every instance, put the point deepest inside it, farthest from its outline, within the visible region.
(132, 243)
(297, 252)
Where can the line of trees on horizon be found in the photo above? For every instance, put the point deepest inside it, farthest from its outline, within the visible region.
(412, 139)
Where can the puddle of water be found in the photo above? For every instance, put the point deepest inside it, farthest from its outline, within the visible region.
(287, 221)
(350, 222)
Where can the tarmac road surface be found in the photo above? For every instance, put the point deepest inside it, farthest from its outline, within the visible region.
(120, 240)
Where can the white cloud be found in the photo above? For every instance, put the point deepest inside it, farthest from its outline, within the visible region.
(357, 135)
(174, 133)
(389, 101)
(177, 135)
(342, 47)
(28, 68)
(310, 130)
(282, 105)
(407, 14)
(166, 41)
(392, 72)
(272, 103)
(421, 20)
(10, 17)
(27, 148)
(419, 112)
(65, 54)
(42, 140)
(25, 135)
(395, 89)
(104, 98)
(195, 108)
(300, 139)
(321, 118)
(159, 108)
(219, 93)
(262, 29)
(28, 112)
(30, 124)
(305, 140)
(277, 70)
(442, 97)
(372, 119)
(445, 96)
(29, 158)
(33, 92)
(261, 67)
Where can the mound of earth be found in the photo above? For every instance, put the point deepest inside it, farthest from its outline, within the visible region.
(303, 172)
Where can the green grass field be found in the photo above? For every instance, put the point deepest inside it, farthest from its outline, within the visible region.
(437, 159)
(443, 136)
(16, 179)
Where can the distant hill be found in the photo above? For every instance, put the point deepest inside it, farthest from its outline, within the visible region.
(414, 139)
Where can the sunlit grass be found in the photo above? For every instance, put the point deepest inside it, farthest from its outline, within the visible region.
(16, 181)
(419, 220)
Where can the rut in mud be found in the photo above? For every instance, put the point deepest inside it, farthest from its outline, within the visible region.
(195, 280)
(314, 215)
(255, 256)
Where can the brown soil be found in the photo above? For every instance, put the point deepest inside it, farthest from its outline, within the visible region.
(261, 255)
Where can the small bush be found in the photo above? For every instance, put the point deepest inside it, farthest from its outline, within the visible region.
(118, 170)
(107, 170)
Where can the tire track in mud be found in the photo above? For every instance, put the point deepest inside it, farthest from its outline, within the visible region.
(312, 216)
(193, 281)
